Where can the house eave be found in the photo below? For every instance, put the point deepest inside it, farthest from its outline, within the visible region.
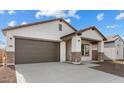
(90, 39)
(40, 22)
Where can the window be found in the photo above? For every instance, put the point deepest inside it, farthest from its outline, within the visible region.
(60, 27)
(85, 49)
(82, 50)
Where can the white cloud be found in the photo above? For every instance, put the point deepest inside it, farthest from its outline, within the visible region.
(72, 13)
(23, 23)
(120, 16)
(68, 20)
(57, 14)
(100, 17)
(2, 11)
(54, 13)
(113, 26)
(12, 23)
(11, 12)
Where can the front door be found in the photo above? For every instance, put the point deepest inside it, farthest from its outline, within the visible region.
(94, 54)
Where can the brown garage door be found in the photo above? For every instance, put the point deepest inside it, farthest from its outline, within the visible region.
(34, 51)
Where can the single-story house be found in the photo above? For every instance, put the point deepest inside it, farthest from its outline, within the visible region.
(114, 48)
(53, 41)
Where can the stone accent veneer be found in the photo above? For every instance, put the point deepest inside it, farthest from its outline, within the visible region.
(76, 56)
(101, 56)
(10, 58)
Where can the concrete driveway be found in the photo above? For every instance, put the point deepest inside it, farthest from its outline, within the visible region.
(63, 73)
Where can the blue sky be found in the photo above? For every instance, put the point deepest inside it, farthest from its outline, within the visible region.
(109, 22)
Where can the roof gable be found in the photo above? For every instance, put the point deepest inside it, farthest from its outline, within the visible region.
(113, 38)
(88, 35)
(92, 33)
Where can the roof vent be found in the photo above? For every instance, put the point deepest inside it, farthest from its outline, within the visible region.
(93, 28)
(60, 20)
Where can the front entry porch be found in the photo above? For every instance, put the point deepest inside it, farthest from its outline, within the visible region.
(83, 46)
(81, 50)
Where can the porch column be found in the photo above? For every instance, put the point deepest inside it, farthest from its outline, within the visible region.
(101, 51)
(63, 51)
(76, 49)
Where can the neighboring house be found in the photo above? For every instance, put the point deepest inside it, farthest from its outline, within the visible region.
(114, 48)
(53, 41)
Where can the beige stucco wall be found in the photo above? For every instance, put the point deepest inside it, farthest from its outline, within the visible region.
(101, 46)
(48, 31)
(109, 53)
(95, 47)
(91, 34)
(76, 44)
(68, 50)
(119, 49)
(62, 51)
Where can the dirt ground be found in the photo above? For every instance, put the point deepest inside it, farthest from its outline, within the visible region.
(7, 74)
(112, 68)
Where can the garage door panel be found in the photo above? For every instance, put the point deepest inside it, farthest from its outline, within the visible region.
(33, 51)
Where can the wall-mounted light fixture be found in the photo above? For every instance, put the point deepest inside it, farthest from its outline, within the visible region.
(10, 38)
